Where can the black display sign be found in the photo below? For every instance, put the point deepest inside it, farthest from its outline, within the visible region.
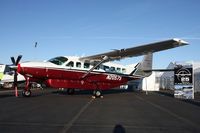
(183, 75)
(183, 81)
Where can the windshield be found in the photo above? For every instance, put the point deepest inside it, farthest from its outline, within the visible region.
(58, 60)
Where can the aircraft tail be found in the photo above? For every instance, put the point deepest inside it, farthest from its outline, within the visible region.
(143, 69)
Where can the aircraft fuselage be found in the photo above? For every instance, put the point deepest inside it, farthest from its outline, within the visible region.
(71, 77)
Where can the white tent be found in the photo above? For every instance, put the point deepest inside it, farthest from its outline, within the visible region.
(167, 78)
(196, 67)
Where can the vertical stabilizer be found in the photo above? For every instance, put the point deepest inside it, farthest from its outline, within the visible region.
(144, 68)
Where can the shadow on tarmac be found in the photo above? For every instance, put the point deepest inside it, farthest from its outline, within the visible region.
(119, 129)
(35, 93)
(49, 91)
(90, 92)
(6, 95)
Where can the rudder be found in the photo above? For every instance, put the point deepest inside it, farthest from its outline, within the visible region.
(144, 68)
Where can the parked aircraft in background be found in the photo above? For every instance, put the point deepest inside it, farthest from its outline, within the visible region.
(91, 72)
(7, 76)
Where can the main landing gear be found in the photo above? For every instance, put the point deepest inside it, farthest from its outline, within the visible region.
(97, 93)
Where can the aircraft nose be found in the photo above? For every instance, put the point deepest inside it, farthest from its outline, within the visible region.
(16, 68)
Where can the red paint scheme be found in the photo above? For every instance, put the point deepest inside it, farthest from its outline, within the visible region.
(63, 78)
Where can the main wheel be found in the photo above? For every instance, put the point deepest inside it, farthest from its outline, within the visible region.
(97, 93)
(70, 91)
(26, 93)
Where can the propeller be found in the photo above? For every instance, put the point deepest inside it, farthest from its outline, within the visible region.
(15, 68)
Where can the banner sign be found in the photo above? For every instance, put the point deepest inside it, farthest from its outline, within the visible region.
(183, 81)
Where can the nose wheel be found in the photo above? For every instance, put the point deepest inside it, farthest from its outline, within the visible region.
(26, 93)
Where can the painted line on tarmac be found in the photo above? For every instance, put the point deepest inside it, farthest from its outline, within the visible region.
(169, 112)
(70, 123)
(30, 124)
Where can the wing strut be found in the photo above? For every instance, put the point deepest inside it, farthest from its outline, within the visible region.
(99, 63)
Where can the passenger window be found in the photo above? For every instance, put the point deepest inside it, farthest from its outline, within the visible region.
(123, 70)
(86, 65)
(70, 64)
(106, 68)
(119, 70)
(112, 69)
(97, 68)
(78, 64)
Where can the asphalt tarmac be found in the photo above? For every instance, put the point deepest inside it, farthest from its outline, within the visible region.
(52, 111)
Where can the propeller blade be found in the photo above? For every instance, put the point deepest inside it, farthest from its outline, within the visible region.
(12, 59)
(15, 78)
(15, 67)
(18, 59)
(15, 83)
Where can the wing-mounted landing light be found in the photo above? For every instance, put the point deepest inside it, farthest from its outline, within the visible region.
(15, 68)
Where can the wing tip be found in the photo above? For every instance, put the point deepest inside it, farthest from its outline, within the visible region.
(180, 41)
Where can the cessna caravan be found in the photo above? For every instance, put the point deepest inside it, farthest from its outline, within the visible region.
(95, 72)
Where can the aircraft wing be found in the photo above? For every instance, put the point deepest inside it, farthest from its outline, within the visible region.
(136, 51)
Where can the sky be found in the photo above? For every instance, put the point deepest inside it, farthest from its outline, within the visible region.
(87, 27)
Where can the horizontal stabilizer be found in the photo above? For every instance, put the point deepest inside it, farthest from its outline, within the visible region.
(159, 70)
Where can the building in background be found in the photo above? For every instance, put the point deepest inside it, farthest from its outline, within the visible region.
(196, 68)
(164, 80)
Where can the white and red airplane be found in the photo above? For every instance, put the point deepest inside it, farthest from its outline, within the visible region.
(91, 72)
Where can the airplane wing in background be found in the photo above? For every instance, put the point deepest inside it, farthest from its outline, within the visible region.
(135, 51)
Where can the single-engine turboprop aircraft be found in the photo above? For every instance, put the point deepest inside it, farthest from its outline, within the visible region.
(91, 72)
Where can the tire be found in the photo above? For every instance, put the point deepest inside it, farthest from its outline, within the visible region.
(97, 93)
(26, 93)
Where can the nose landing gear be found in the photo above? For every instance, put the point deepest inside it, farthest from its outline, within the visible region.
(26, 92)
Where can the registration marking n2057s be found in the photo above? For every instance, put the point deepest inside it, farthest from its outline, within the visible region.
(114, 77)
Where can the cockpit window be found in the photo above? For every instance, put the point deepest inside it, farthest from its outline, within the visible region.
(58, 60)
